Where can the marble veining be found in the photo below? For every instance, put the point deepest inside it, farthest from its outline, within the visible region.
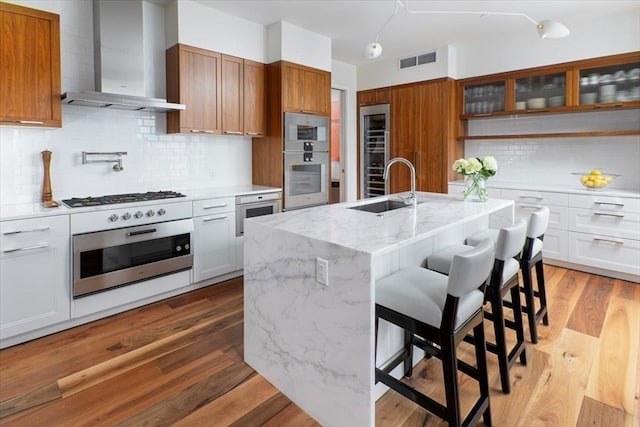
(315, 343)
(369, 232)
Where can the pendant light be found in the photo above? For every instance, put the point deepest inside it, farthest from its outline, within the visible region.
(547, 28)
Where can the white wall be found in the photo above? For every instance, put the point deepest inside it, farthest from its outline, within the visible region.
(387, 72)
(343, 77)
(155, 161)
(291, 43)
(212, 29)
(609, 35)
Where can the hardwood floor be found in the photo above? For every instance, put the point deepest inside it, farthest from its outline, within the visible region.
(179, 362)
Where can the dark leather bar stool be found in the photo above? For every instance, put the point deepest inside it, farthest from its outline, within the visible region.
(503, 282)
(531, 257)
(436, 312)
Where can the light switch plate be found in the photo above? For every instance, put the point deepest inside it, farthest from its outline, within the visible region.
(322, 271)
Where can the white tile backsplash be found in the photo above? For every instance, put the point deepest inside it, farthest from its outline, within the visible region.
(155, 160)
(552, 160)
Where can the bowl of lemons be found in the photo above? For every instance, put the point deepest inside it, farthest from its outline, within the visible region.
(595, 179)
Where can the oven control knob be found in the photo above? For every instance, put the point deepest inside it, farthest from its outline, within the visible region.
(113, 218)
(161, 212)
(126, 216)
(150, 212)
(186, 246)
(138, 214)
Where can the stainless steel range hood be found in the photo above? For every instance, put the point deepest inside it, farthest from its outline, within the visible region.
(119, 60)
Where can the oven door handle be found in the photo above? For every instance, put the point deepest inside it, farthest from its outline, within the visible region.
(139, 232)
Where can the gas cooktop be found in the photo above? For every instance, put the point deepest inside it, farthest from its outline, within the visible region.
(77, 202)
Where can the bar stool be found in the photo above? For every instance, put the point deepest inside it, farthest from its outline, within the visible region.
(531, 257)
(503, 281)
(436, 312)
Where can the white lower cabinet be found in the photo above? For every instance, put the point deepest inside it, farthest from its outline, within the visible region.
(34, 274)
(214, 239)
(610, 253)
(597, 232)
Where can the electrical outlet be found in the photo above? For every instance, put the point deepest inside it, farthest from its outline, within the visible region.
(322, 271)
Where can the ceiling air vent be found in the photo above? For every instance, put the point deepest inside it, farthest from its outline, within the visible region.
(420, 59)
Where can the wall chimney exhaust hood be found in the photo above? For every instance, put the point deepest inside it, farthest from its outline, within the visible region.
(119, 61)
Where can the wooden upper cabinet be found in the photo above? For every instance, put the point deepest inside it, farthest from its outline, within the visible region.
(374, 96)
(194, 79)
(306, 89)
(30, 67)
(232, 95)
(254, 99)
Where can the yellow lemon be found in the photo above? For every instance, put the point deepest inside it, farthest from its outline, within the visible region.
(589, 183)
(595, 172)
(608, 179)
(584, 178)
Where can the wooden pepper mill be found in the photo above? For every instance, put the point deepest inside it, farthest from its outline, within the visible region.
(47, 196)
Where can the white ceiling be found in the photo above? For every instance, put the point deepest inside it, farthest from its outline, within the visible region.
(351, 24)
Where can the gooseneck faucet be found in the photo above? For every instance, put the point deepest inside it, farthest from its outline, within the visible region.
(412, 200)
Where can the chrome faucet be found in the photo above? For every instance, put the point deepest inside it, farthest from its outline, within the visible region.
(411, 200)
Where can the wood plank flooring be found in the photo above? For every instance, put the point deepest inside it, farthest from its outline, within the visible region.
(179, 362)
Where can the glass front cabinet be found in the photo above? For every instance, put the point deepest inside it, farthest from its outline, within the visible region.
(607, 82)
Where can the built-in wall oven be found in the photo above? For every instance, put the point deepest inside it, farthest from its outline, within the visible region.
(122, 246)
(253, 205)
(306, 160)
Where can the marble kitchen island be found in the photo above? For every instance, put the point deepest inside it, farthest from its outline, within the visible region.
(315, 342)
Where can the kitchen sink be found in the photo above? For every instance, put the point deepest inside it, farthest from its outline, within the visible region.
(381, 206)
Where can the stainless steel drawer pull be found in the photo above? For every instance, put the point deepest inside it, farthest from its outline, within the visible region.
(609, 203)
(215, 206)
(606, 239)
(521, 205)
(608, 214)
(43, 228)
(232, 132)
(253, 133)
(30, 122)
(27, 248)
(214, 219)
(532, 197)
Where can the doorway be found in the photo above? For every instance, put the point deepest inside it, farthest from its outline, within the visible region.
(336, 193)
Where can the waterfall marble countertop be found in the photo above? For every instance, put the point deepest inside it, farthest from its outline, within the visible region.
(375, 233)
(311, 333)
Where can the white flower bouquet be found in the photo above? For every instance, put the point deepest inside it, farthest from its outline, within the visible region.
(476, 171)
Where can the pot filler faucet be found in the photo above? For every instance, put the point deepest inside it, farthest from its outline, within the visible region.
(411, 200)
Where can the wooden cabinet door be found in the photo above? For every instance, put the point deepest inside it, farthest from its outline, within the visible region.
(293, 86)
(432, 126)
(404, 125)
(30, 70)
(306, 90)
(374, 96)
(193, 79)
(254, 99)
(317, 92)
(232, 95)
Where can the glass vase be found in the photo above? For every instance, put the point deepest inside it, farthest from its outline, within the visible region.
(475, 188)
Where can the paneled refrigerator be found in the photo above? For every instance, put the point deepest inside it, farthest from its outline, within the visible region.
(374, 148)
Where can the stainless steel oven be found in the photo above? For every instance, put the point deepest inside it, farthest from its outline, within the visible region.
(305, 179)
(306, 160)
(130, 245)
(253, 205)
